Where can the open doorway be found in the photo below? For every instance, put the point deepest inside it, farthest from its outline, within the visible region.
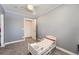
(30, 28)
(2, 30)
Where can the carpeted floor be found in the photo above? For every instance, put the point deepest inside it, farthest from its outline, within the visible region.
(21, 49)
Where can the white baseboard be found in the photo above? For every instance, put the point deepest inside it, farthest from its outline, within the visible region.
(66, 51)
(14, 42)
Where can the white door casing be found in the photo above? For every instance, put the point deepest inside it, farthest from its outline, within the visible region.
(30, 28)
(2, 30)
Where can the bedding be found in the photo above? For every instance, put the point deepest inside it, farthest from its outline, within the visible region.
(41, 47)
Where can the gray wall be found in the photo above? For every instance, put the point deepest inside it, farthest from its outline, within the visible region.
(63, 22)
(14, 23)
(13, 27)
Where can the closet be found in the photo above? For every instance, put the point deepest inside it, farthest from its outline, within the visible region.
(30, 28)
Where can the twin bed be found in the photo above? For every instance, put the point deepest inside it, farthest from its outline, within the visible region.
(43, 47)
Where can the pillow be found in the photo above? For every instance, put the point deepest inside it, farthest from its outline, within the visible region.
(51, 37)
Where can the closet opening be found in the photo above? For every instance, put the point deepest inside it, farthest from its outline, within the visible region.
(30, 28)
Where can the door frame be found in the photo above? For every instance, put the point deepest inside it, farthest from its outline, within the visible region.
(2, 30)
(25, 19)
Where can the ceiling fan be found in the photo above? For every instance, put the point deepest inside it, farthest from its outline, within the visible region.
(32, 8)
(29, 7)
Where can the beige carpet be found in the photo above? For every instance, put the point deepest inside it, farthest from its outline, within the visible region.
(14, 49)
(21, 49)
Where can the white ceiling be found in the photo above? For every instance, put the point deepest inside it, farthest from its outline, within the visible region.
(21, 8)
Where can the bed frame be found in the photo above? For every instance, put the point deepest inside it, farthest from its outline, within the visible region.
(47, 51)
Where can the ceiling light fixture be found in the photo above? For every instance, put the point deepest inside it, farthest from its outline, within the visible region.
(30, 7)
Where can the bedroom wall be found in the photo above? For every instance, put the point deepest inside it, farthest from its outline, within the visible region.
(62, 22)
(14, 24)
